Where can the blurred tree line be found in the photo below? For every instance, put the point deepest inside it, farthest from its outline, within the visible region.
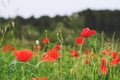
(101, 20)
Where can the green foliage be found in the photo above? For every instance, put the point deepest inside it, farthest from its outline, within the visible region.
(102, 20)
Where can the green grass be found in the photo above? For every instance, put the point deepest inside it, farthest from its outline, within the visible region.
(69, 68)
(66, 67)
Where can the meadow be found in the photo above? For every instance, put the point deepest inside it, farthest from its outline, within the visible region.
(91, 56)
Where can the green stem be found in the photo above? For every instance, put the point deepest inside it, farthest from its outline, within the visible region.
(3, 36)
(102, 40)
(23, 71)
(61, 66)
(6, 27)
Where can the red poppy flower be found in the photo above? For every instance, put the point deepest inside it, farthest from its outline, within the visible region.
(87, 52)
(8, 47)
(42, 78)
(79, 40)
(23, 55)
(103, 67)
(47, 58)
(115, 54)
(106, 52)
(86, 32)
(38, 47)
(86, 61)
(74, 53)
(115, 61)
(57, 47)
(45, 40)
(51, 55)
(12, 48)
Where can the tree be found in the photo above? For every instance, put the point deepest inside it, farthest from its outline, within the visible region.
(90, 19)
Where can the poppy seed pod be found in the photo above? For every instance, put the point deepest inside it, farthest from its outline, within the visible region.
(37, 42)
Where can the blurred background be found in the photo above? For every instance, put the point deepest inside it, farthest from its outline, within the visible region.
(28, 19)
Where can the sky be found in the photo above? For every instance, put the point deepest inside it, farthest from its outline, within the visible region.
(38, 8)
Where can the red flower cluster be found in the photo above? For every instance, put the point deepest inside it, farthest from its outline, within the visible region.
(51, 56)
(103, 67)
(23, 55)
(79, 40)
(74, 53)
(8, 47)
(45, 40)
(114, 54)
(116, 59)
(86, 32)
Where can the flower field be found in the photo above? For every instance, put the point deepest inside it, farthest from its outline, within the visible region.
(90, 58)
